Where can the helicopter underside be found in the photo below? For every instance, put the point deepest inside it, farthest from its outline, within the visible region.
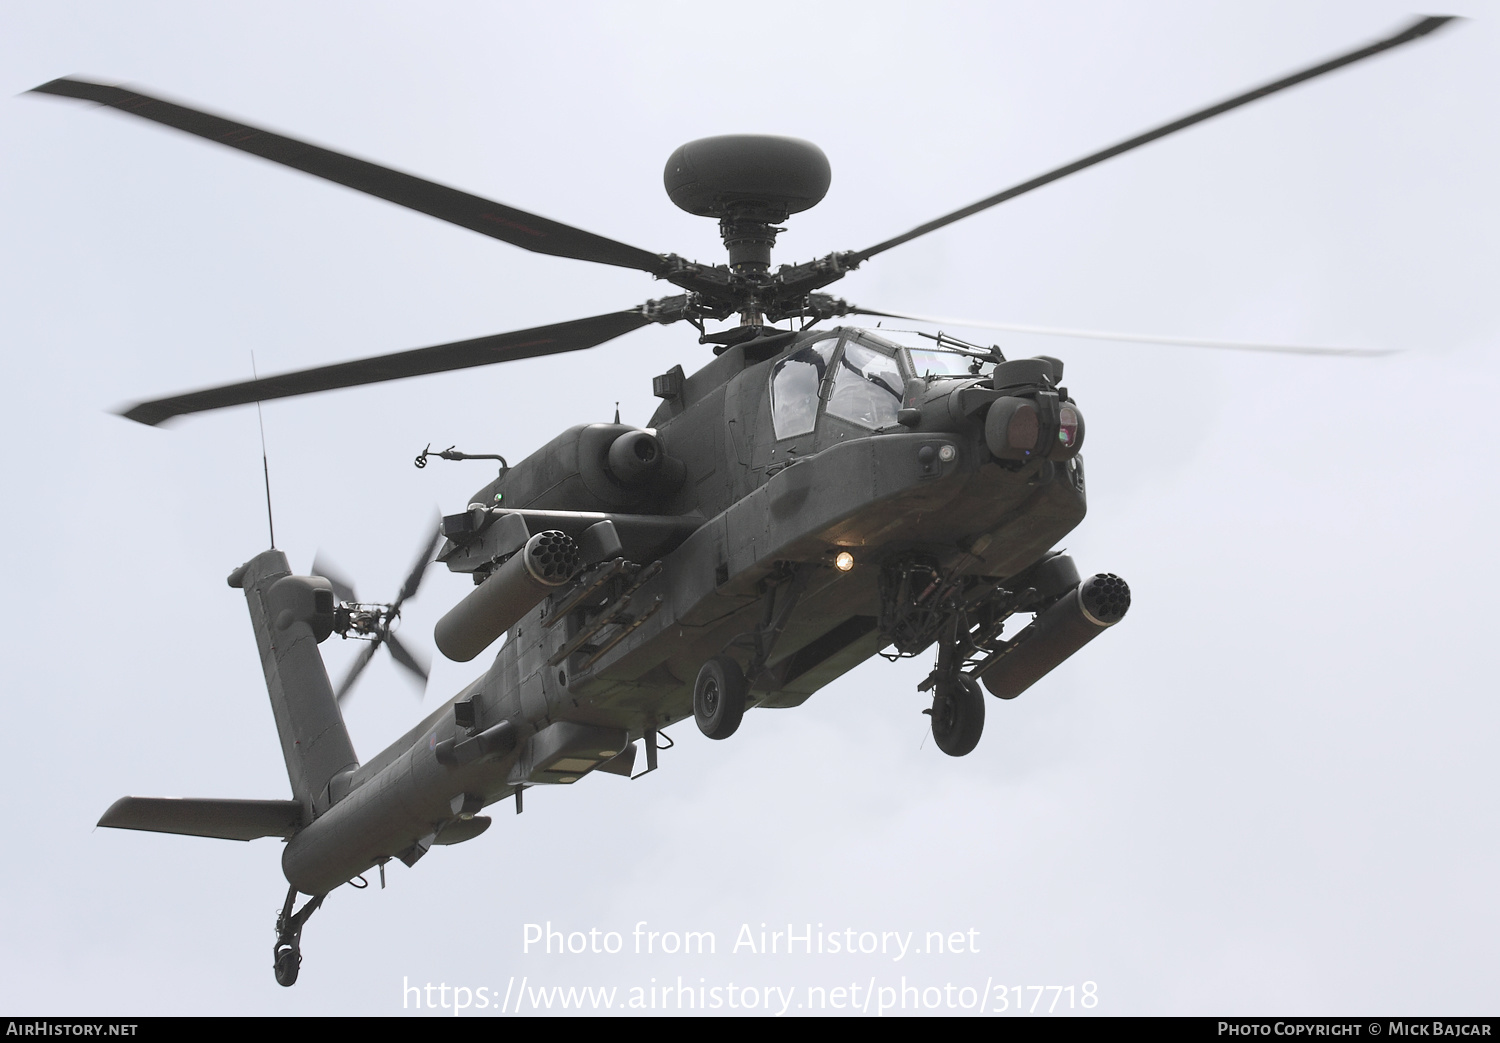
(773, 554)
(803, 517)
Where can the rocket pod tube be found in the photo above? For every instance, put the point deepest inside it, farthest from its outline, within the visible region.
(549, 560)
(1077, 618)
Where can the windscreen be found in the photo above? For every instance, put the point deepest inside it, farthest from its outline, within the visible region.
(867, 388)
(929, 363)
(794, 387)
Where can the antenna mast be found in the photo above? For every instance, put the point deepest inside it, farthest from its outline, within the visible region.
(265, 464)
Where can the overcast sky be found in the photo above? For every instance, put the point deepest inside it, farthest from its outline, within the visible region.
(1272, 789)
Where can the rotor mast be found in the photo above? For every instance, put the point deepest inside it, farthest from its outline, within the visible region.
(750, 182)
(749, 236)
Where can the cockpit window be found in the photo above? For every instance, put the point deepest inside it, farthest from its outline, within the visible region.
(928, 363)
(867, 387)
(794, 387)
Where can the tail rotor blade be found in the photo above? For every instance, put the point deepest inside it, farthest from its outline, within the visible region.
(341, 586)
(403, 655)
(365, 655)
(418, 569)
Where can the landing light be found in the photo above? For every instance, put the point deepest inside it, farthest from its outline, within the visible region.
(844, 562)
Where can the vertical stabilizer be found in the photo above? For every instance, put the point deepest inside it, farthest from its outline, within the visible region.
(291, 615)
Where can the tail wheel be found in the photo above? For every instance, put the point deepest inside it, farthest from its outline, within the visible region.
(719, 697)
(288, 963)
(957, 715)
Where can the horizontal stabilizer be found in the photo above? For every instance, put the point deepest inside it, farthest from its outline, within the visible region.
(225, 819)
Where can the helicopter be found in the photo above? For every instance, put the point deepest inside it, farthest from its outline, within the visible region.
(807, 500)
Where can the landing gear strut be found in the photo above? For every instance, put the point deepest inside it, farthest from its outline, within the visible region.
(722, 688)
(288, 951)
(957, 710)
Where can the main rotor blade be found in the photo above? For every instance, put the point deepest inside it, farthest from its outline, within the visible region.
(403, 655)
(341, 586)
(418, 570)
(485, 216)
(482, 351)
(365, 655)
(1417, 29)
(1135, 338)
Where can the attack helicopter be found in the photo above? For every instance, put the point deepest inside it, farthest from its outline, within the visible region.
(809, 499)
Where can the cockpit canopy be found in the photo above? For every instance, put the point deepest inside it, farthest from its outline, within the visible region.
(861, 374)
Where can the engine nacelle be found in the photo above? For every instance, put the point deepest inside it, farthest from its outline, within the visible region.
(635, 458)
(593, 467)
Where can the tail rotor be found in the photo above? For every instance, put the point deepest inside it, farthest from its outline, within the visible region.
(375, 622)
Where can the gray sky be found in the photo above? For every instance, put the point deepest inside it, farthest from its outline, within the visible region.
(1271, 789)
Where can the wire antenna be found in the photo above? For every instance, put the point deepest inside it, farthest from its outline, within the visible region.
(265, 463)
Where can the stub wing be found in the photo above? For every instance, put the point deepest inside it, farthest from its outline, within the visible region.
(224, 819)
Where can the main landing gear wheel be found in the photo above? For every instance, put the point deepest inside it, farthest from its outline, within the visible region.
(719, 697)
(957, 715)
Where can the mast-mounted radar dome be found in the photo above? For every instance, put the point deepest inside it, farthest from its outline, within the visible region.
(729, 175)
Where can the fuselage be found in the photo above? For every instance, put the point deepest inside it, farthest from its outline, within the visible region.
(782, 454)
